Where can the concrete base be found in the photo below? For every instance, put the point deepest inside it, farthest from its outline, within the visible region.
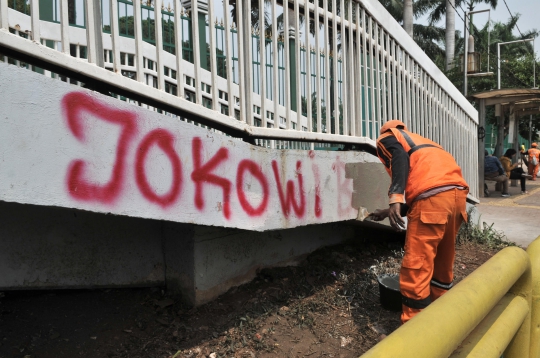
(48, 247)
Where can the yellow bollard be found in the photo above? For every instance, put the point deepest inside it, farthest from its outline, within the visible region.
(534, 253)
(441, 327)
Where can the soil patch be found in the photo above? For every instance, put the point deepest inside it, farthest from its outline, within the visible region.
(326, 307)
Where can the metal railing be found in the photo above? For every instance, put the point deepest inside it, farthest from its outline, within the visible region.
(495, 310)
(362, 68)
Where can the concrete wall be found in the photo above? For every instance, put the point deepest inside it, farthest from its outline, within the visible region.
(95, 192)
(48, 247)
(67, 147)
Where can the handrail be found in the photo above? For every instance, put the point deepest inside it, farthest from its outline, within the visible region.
(495, 309)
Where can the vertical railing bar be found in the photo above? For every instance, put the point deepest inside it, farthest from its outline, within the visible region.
(115, 36)
(64, 25)
(406, 89)
(359, 96)
(383, 78)
(328, 117)
(287, 57)
(373, 133)
(137, 24)
(432, 110)
(399, 66)
(250, 75)
(410, 89)
(90, 32)
(197, 50)
(262, 56)
(229, 61)
(414, 96)
(344, 63)
(335, 68)
(421, 98)
(309, 111)
(350, 68)
(213, 55)
(427, 109)
(298, 66)
(378, 78)
(34, 14)
(4, 23)
(178, 43)
(394, 80)
(389, 90)
(365, 101)
(158, 30)
(318, 67)
(275, 67)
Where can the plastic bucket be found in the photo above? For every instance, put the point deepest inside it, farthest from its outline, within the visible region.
(389, 292)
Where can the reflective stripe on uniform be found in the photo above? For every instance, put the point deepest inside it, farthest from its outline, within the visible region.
(418, 304)
(444, 286)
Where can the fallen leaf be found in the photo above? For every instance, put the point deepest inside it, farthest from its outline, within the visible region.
(345, 341)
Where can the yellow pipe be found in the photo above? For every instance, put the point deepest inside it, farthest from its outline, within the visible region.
(491, 337)
(534, 253)
(520, 345)
(441, 327)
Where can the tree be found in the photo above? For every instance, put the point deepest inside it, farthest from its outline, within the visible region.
(516, 67)
(428, 37)
(408, 16)
(450, 35)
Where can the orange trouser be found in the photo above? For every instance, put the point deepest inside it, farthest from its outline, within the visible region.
(533, 170)
(427, 270)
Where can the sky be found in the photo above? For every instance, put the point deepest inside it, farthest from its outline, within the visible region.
(529, 19)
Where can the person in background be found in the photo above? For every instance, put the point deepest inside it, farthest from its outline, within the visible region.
(493, 170)
(428, 187)
(512, 170)
(534, 160)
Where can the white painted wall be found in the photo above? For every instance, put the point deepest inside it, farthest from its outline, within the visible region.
(61, 145)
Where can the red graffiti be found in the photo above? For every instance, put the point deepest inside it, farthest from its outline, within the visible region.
(290, 200)
(202, 174)
(317, 177)
(74, 104)
(344, 188)
(164, 140)
(255, 170)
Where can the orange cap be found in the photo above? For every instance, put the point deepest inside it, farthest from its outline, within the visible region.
(534, 145)
(392, 124)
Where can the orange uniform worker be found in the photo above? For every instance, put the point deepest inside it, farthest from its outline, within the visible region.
(428, 186)
(534, 153)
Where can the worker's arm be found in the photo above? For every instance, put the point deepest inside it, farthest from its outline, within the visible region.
(396, 160)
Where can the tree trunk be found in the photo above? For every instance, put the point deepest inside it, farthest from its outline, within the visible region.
(408, 16)
(450, 33)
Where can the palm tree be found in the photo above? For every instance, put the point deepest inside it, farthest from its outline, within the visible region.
(450, 33)
(428, 37)
(408, 16)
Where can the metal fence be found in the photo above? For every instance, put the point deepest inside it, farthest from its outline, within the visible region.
(327, 71)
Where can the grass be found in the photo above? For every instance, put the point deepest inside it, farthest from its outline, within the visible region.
(482, 233)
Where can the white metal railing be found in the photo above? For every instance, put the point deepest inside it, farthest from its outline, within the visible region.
(335, 78)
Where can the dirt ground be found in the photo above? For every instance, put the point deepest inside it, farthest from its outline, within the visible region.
(328, 306)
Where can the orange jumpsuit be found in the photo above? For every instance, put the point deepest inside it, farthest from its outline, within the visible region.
(533, 169)
(429, 181)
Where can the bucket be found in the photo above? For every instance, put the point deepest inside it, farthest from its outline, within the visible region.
(389, 292)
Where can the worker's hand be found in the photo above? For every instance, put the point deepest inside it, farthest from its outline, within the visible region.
(379, 214)
(394, 214)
